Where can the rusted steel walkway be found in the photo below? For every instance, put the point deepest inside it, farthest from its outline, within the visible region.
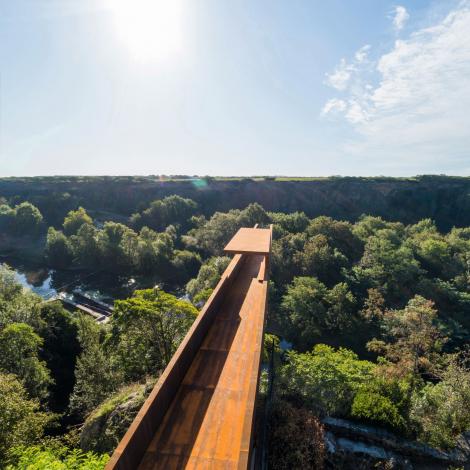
(200, 413)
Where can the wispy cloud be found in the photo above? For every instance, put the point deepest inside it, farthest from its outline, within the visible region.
(333, 106)
(361, 54)
(400, 17)
(420, 97)
(340, 78)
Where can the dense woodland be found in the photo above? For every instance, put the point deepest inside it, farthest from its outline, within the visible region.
(374, 309)
(444, 199)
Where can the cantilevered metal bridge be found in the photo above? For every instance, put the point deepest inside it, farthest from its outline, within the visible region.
(200, 413)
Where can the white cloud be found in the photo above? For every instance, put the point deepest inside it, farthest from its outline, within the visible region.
(334, 105)
(341, 77)
(361, 54)
(419, 104)
(400, 17)
(356, 113)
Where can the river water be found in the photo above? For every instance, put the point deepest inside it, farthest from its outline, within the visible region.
(100, 286)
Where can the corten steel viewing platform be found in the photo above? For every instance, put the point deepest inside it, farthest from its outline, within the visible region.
(200, 413)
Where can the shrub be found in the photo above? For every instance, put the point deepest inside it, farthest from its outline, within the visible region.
(21, 421)
(325, 379)
(442, 411)
(377, 409)
(44, 458)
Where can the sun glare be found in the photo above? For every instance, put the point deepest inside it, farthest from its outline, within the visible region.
(150, 29)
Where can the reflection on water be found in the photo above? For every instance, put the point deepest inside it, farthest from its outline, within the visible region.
(39, 281)
(99, 286)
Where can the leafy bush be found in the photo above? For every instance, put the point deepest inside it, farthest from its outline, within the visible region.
(325, 379)
(442, 411)
(163, 212)
(19, 355)
(75, 219)
(43, 458)
(377, 409)
(21, 422)
(202, 296)
(208, 276)
(310, 309)
(146, 330)
(58, 249)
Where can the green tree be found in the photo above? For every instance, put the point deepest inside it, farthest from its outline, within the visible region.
(58, 249)
(208, 275)
(174, 210)
(185, 264)
(129, 246)
(75, 219)
(459, 241)
(148, 257)
(339, 234)
(85, 246)
(285, 257)
(155, 251)
(9, 286)
(411, 340)
(295, 222)
(423, 229)
(305, 310)
(60, 350)
(28, 219)
(325, 379)
(212, 235)
(95, 376)
(17, 305)
(388, 265)
(19, 355)
(7, 218)
(368, 226)
(436, 257)
(310, 310)
(341, 307)
(146, 330)
(21, 421)
(319, 259)
(442, 410)
(202, 297)
(114, 246)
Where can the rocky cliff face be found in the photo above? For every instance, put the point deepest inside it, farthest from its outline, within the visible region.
(444, 199)
(356, 447)
(106, 426)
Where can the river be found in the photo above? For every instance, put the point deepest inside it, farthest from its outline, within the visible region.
(48, 282)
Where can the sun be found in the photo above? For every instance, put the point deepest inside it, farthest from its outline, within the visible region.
(150, 29)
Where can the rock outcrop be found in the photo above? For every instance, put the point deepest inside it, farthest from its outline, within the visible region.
(355, 446)
(106, 425)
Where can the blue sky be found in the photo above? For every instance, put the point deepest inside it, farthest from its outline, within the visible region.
(237, 87)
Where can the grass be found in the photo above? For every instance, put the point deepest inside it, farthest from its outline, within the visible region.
(120, 397)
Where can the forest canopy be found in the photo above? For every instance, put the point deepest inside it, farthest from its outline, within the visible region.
(375, 314)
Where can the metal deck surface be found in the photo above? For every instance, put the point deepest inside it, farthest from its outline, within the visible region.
(208, 425)
(250, 240)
